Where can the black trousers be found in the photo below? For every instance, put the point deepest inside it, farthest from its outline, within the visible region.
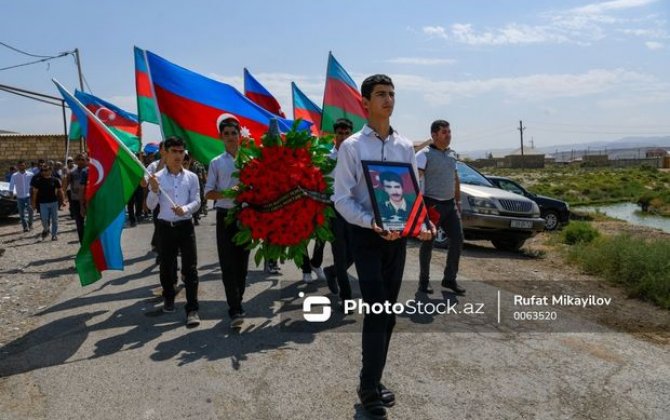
(317, 257)
(75, 211)
(380, 265)
(154, 237)
(234, 262)
(342, 256)
(450, 221)
(172, 239)
(135, 205)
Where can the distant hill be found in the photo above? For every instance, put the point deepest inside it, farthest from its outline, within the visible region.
(629, 144)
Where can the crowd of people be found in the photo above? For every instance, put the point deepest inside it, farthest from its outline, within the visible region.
(175, 192)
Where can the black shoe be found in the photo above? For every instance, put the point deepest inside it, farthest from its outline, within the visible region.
(331, 280)
(453, 286)
(168, 306)
(372, 403)
(237, 319)
(426, 288)
(387, 396)
(196, 222)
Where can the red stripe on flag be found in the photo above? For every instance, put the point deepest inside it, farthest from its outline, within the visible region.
(266, 102)
(142, 84)
(199, 118)
(98, 255)
(115, 120)
(416, 217)
(341, 95)
(313, 117)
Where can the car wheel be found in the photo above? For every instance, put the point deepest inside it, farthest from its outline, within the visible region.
(508, 244)
(441, 240)
(550, 220)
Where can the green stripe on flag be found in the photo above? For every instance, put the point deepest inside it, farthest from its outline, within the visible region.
(75, 131)
(131, 141)
(330, 114)
(202, 148)
(146, 109)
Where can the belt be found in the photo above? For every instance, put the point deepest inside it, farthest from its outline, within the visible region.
(175, 223)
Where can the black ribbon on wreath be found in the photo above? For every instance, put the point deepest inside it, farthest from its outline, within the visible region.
(290, 197)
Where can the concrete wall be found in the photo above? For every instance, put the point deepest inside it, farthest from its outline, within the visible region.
(33, 147)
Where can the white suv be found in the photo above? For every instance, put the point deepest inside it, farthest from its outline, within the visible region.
(489, 213)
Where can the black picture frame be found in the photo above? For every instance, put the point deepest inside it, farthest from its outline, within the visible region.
(391, 214)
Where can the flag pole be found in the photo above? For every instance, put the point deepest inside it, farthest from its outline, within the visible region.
(120, 143)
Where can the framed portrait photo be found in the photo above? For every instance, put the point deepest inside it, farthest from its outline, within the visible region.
(396, 199)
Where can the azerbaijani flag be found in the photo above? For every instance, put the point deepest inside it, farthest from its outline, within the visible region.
(341, 98)
(304, 108)
(261, 96)
(191, 104)
(75, 129)
(123, 124)
(114, 174)
(146, 107)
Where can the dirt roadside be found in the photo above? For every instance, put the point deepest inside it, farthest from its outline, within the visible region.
(33, 274)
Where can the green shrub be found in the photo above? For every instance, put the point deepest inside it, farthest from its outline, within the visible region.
(641, 266)
(579, 232)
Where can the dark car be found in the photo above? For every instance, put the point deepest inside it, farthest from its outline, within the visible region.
(7, 203)
(556, 213)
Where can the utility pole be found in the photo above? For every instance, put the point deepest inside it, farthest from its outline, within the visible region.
(521, 128)
(78, 60)
(82, 143)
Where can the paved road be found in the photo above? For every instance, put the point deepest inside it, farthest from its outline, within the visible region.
(107, 352)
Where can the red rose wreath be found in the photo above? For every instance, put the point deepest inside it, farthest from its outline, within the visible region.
(282, 200)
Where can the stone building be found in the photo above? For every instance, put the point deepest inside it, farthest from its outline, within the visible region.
(31, 147)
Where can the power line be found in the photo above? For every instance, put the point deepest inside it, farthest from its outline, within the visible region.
(23, 52)
(35, 62)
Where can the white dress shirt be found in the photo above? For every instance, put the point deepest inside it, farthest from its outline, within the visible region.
(351, 197)
(21, 183)
(184, 190)
(220, 177)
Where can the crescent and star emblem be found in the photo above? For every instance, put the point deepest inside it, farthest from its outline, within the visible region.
(99, 169)
(109, 115)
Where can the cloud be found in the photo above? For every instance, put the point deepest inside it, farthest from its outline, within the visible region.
(420, 61)
(597, 8)
(536, 87)
(582, 26)
(653, 45)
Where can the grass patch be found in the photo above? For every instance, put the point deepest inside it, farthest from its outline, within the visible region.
(590, 186)
(579, 232)
(641, 266)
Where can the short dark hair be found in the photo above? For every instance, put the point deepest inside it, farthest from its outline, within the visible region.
(20, 161)
(437, 125)
(376, 79)
(172, 142)
(390, 176)
(343, 123)
(229, 122)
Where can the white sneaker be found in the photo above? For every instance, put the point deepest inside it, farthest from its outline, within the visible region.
(320, 275)
(307, 277)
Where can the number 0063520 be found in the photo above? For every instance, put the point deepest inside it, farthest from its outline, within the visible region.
(534, 316)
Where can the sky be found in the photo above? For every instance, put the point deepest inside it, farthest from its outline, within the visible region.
(573, 71)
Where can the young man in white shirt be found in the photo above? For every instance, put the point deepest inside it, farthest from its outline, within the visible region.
(233, 259)
(177, 191)
(379, 255)
(20, 181)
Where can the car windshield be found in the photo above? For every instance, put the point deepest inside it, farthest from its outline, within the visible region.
(468, 175)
